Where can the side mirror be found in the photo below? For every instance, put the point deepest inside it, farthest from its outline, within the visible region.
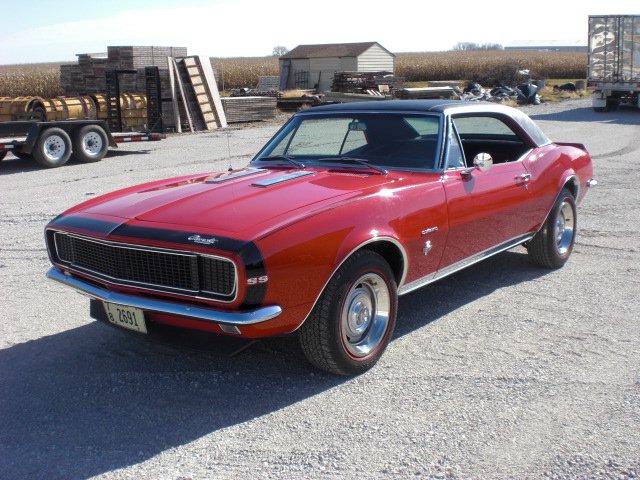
(483, 161)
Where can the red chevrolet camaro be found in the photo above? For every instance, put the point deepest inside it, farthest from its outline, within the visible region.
(346, 208)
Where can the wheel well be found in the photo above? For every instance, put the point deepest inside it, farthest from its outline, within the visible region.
(392, 254)
(573, 186)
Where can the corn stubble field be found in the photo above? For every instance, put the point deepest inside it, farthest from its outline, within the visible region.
(488, 67)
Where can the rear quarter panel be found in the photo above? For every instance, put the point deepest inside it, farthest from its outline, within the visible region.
(551, 167)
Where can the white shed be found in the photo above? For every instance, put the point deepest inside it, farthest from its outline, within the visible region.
(313, 66)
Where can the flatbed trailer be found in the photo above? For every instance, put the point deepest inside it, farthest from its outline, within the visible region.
(51, 144)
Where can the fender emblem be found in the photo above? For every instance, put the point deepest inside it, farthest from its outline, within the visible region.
(257, 280)
(202, 240)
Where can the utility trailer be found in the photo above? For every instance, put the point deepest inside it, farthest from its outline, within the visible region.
(51, 144)
(614, 61)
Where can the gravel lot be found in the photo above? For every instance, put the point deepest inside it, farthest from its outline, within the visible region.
(500, 371)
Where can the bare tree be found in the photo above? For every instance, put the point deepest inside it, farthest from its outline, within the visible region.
(467, 46)
(280, 50)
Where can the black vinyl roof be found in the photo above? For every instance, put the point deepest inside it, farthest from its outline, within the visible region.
(399, 105)
(447, 107)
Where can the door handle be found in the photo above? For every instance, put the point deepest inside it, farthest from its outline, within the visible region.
(524, 178)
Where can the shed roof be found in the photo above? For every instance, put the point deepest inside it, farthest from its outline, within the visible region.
(332, 50)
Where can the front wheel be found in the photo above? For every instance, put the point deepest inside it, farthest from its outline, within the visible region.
(53, 148)
(354, 319)
(552, 245)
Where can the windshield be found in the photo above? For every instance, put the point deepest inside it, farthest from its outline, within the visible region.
(390, 140)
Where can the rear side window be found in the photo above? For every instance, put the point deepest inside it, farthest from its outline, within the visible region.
(484, 126)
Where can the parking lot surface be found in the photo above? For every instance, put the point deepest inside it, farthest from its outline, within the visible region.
(502, 370)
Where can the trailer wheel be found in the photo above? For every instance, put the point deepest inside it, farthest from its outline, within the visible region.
(53, 148)
(90, 144)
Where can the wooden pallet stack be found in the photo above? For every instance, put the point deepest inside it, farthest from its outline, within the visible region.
(87, 77)
(249, 109)
(128, 58)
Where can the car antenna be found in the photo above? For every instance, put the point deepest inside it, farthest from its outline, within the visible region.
(230, 169)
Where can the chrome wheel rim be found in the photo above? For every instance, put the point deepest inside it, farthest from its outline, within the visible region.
(563, 228)
(365, 315)
(54, 147)
(92, 144)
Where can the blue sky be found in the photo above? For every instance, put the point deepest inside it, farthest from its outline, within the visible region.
(55, 30)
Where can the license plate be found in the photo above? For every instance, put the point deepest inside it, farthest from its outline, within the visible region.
(127, 317)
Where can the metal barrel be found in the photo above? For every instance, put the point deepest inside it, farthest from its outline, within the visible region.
(17, 108)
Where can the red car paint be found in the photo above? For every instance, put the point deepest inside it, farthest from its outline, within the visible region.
(306, 227)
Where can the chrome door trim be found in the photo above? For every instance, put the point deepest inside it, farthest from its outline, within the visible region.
(455, 267)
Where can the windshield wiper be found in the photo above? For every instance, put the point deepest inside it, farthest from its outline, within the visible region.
(283, 157)
(359, 161)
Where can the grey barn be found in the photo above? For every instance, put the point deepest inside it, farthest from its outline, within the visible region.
(313, 66)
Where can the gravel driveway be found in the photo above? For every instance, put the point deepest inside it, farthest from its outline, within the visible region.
(500, 371)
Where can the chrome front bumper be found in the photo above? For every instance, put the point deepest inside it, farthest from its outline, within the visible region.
(243, 318)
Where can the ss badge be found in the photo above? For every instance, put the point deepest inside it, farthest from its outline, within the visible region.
(257, 280)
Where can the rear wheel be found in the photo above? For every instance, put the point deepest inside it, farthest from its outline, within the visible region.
(553, 244)
(354, 319)
(53, 148)
(90, 144)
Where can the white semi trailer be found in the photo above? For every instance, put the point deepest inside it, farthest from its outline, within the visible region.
(614, 61)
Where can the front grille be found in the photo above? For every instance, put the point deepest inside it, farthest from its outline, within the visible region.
(187, 272)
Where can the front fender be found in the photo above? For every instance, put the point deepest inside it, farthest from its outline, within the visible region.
(301, 259)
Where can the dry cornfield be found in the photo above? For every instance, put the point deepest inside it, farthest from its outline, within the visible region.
(244, 71)
(487, 67)
(38, 79)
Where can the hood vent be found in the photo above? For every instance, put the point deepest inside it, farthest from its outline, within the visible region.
(230, 176)
(267, 182)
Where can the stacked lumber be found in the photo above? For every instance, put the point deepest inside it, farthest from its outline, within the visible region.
(130, 58)
(362, 82)
(87, 77)
(268, 84)
(249, 109)
(426, 93)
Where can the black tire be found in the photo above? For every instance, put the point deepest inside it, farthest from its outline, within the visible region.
(53, 148)
(363, 284)
(2, 155)
(551, 247)
(90, 144)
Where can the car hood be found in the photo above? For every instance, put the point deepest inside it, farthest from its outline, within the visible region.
(226, 202)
